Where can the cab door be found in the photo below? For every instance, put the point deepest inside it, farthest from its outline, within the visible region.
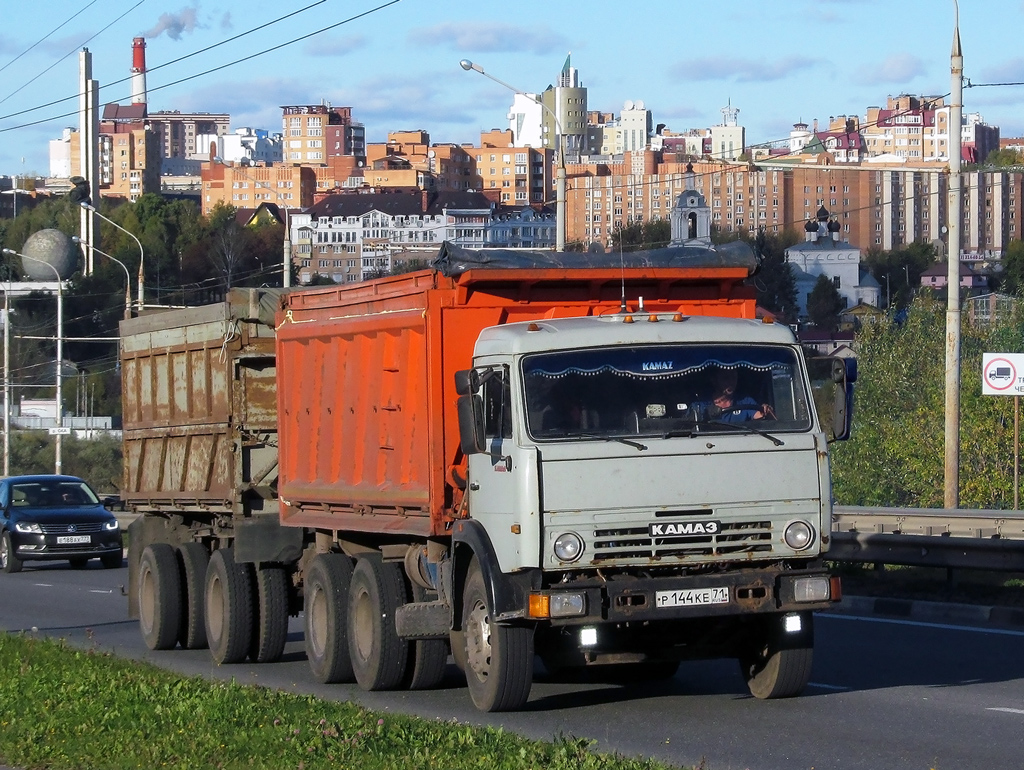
(503, 493)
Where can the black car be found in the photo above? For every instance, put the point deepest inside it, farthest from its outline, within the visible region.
(55, 517)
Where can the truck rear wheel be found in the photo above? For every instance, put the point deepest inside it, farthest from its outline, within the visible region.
(428, 658)
(229, 607)
(159, 596)
(499, 659)
(193, 559)
(379, 655)
(326, 617)
(778, 662)
(270, 630)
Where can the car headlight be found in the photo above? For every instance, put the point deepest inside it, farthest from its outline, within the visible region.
(568, 546)
(799, 535)
(28, 528)
(111, 525)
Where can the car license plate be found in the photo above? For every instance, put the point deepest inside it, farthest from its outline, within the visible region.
(73, 539)
(692, 597)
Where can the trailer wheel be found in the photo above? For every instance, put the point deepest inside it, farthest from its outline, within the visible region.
(194, 559)
(229, 607)
(270, 630)
(777, 663)
(326, 617)
(159, 596)
(499, 658)
(428, 658)
(379, 655)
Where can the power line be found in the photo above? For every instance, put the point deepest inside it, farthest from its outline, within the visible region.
(44, 37)
(220, 67)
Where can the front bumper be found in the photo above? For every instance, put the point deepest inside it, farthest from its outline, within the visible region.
(38, 547)
(750, 592)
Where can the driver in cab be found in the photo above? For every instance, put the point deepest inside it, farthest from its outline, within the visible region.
(725, 406)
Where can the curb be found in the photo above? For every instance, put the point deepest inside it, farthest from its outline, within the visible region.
(931, 612)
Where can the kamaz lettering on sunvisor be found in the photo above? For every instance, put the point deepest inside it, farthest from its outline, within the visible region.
(657, 366)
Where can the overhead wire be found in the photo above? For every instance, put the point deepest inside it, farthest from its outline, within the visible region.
(47, 35)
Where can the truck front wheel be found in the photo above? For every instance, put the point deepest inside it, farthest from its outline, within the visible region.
(499, 659)
(379, 655)
(326, 590)
(229, 607)
(159, 596)
(777, 662)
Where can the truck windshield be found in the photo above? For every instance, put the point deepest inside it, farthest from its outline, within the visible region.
(664, 390)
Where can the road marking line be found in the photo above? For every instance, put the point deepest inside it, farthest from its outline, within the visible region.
(827, 686)
(946, 626)
(1008, 711)
(43, 585)
(98, 591)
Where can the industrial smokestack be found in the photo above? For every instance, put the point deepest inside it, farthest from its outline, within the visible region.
(139, 70)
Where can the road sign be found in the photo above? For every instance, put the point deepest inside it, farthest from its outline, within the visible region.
(1002, 374)
(62, 431)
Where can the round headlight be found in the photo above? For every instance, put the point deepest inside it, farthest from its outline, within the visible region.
(799, 535)
(568, 546)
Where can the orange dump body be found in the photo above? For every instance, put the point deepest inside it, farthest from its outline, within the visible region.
(367, 419)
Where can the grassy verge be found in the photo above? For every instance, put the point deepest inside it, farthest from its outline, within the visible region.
(62, 707)
(933, 584)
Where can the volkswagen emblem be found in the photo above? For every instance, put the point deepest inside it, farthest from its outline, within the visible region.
(72, 528)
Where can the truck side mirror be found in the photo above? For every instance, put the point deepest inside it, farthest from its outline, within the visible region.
(832, 387)
(471, 424)
(466, 381)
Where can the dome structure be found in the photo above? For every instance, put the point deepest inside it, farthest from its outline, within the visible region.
(52, 247)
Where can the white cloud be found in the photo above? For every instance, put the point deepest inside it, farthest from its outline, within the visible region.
(333, 45)
(490, 37)
(740, 70)
(898, 68)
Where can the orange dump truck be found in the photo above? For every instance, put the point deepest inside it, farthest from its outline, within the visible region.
(594, 459)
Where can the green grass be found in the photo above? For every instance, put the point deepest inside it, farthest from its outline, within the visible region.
(64, 707)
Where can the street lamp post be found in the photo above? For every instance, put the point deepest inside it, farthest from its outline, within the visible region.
(888, 300)
(58, 443)
(467, 65)
(13, 192)
(127, 275)
(286, 266)
(142, 253)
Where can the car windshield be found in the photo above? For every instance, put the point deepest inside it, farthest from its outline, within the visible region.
(664, 390)
(51, 494)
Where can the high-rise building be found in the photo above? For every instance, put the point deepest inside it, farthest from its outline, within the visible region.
(315, 132)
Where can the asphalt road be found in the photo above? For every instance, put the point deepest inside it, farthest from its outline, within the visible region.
(884, 693)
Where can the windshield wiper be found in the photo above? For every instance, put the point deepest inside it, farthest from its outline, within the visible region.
(604, 437)
(745, 426)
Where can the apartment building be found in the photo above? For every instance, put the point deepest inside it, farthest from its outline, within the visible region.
(918, 129)
(290, 187)
(178, 132)
(130, 153)
(315, 132)
(349, 236)
(875, 205)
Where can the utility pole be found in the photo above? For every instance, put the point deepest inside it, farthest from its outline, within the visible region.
(952, 473)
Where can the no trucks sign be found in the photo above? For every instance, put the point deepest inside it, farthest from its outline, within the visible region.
(1002, 374)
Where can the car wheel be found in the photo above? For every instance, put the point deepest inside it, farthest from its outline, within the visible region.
(9, 562)
(228, 607)
(270, 629)
(326, 617)
(379, 655)
(194, 560)
(159, 596)
(499, 658)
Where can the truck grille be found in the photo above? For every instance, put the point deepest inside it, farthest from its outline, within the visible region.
(636, 543)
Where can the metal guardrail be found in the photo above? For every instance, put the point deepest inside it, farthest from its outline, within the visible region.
(929, 537)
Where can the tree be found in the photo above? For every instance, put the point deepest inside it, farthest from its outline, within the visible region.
(774, 280)
(1013, 268)
(640, 236)
(825, 304)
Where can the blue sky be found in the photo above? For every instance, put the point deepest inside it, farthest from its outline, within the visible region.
(397, 66)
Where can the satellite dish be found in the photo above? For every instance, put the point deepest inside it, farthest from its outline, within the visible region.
(639, 104)
(431, 153)
(628, 105)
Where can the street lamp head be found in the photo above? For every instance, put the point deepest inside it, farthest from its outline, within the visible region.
(467, 65)
(219, 159)
(87, 206)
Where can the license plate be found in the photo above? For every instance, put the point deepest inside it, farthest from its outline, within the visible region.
(693, 597)
(73, 539)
